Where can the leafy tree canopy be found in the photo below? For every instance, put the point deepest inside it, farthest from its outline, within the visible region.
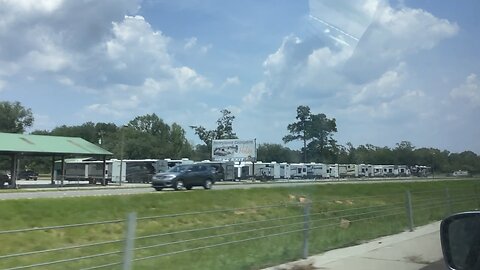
(14, 118)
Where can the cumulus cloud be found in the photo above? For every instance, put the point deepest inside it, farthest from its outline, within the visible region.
(319, 68)
(393, 35)
(366, 85)
(100, 47)
(469, 91)
(384, 88)
(256, 94)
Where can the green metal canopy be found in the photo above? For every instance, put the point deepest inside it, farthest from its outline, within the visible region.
(11, 143)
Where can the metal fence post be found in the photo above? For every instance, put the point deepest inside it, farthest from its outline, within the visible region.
(448, 202)
(129, 241)
(408, 206)
(306, 228)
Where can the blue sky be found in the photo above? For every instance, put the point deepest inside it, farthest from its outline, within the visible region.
(386, 70)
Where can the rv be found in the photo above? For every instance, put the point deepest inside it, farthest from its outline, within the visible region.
(317, 170)
(298, 170)
(402, 170)
(265, 170)
(285, 171)
(242, 171)
(333, 171)
(133, 171)
(378, 171)
(365, 170)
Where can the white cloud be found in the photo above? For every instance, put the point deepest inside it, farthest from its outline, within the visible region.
(469, 91)
(278, 61)
(383, 88)
(395, 34)
(256, 94)
(47, 6)
(231, 81)
(117, 57)
(134, 33)
(316, 68)
(191, 42)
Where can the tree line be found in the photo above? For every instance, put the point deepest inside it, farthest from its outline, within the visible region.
(148, 136)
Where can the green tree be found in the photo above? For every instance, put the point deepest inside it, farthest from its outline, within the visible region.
(323, 146)
(316, 131)
(148, 136)
(224, 130)
(86, 131)
(14, 118)
(300, 130)
(269, 152)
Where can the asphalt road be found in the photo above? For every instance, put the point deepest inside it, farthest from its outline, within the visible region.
(124, 190)
(43, 189)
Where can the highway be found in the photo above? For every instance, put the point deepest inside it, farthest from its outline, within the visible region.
(43, 188)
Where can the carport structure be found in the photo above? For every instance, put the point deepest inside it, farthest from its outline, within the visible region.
(19, 145)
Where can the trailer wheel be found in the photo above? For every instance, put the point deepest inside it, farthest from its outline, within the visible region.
(158, 189)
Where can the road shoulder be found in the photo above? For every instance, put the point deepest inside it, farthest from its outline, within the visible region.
(405, 251)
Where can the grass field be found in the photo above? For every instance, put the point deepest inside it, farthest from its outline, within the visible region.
(248, 235)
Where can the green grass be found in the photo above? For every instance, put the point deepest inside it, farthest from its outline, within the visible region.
(372, 210)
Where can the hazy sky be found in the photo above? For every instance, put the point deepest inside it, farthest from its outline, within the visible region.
(386, 70)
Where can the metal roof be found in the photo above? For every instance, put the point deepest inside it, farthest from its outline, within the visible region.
(43, 144)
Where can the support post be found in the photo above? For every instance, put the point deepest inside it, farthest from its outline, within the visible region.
(13, 171)
(128, 251)
(306, 228)
(52, 176)
(63, 171)
(104, 166)
(408, 206)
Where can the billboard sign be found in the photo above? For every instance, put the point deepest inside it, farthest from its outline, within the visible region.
(234, 150)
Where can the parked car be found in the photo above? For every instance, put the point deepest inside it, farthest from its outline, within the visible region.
(184, 176)
(28, 175)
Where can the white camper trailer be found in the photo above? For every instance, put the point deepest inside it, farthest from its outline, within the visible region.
(364, 170)
(284, 171)
(298, 170)
(352, 170)
(333, 171)
(242, 171)
(403, 170)
(378, 171)
(264, 170)
(317, 170)
(389, 170)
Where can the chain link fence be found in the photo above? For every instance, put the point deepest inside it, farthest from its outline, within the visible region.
(234, 238)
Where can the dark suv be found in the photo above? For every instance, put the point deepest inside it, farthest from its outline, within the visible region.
(28, 175)
(185, 176)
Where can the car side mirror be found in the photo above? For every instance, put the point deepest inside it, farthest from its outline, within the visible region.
(460, 237)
